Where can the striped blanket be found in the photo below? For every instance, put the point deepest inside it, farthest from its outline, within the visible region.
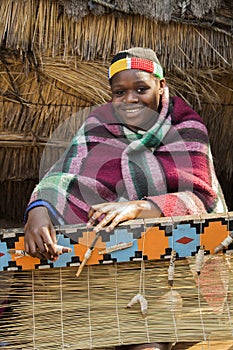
(170, 164)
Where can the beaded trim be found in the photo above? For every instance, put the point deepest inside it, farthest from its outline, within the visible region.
(135, 63)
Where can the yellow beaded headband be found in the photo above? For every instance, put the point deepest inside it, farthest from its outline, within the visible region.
(135, 63)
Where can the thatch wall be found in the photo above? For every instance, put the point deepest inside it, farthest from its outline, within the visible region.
(54, 57)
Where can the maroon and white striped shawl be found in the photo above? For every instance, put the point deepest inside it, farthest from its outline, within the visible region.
(170, 164)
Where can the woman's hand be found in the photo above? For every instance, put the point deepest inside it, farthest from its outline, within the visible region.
(40, 235)
(111, 214)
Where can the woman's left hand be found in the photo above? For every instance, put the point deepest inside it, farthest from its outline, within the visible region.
(111, 214)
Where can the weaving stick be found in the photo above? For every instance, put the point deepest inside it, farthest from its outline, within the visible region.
(224, 244)
(59, 248)
(88, 253)
(116, 247)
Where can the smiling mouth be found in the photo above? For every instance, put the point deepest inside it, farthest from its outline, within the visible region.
(134, 110)
(126, 110)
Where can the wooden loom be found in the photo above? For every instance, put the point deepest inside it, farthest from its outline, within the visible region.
(48, 307)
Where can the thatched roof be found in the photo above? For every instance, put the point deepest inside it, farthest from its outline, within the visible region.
(54, 58)
(214, 13)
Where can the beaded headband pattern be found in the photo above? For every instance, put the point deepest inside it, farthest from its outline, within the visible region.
(135, 63)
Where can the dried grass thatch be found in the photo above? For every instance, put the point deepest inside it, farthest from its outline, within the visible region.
(217, 12)
(53, 65)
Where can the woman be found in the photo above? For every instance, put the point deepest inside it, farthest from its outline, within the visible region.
(143, 155)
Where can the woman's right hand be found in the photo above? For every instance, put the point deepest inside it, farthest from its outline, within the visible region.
(40, 235)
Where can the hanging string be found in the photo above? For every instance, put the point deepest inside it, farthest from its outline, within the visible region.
(227, 304)
(142, 280)
(199, 265)
(33, 313)
(61, 303)
(171, 268)
(139, 297)
(200, 310)
(171, 272)
(89, 299)
(142, 269)
(229, 315)
(120, 342)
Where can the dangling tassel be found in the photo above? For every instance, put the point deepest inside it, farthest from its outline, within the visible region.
(171, 269)
(139, 298)
(200, 259)
(172, 300)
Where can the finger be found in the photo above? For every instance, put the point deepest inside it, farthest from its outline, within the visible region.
(98, 212)
(43, 256)
(108, 218)
(90, 213)
(91, 222)
(33, 249)
(38, 255)
(118, 219)
(45, 242)
(26, 247)
(49, 248)
(53, 235)
(35, 252)
(47, 256)
(98, 215)
(38, 249)
(96, 208)
(102, 207)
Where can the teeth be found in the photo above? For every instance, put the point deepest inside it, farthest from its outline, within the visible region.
(132, 110)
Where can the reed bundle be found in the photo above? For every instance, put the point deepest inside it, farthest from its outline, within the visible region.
(87, 80)
(55, 309)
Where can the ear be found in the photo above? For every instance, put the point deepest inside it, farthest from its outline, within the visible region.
(162, 83)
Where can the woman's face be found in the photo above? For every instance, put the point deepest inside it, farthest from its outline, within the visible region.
(136, 95)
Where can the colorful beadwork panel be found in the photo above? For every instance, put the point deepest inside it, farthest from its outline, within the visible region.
(149, 239)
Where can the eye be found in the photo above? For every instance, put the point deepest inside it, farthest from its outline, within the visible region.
(118, 92)
(142, 89)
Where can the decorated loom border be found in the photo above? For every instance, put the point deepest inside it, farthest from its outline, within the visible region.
(150, 239)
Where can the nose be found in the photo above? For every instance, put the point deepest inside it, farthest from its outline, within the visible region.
(131, 97)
